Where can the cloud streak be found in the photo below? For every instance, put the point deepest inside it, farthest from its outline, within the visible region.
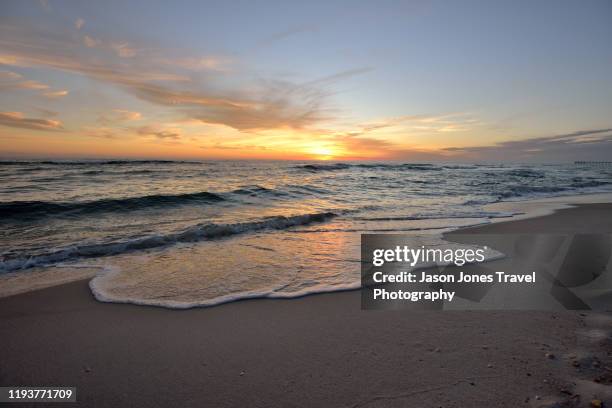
(267, 104)
(592, 144)
(56, 94)
(173, 134)
(12, 80)
(119, 115)
(18, 120)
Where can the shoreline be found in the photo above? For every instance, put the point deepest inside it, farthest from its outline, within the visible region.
(57, 275)
(318, 350)
(540, 207)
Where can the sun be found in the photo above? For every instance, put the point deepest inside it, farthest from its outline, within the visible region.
(322, 152)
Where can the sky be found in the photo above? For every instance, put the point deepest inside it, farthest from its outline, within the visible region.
(518, 81)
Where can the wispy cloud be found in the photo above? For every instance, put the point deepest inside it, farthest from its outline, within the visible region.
(34, 85)
(173, 134)
(102, 132)
(79, 23)
(91, 42)
(47, 112)
(56, 94)
(9, 75)
(127, 115)
(207, 63)
(415, 124)
(119, 115)
(338, 76)
(12, 80)
(592, 144)
(267, 104)
(18, 120)
(123, 49)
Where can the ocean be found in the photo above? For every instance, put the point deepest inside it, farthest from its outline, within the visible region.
(185, 234)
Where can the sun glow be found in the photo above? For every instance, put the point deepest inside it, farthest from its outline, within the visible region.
(322, 152)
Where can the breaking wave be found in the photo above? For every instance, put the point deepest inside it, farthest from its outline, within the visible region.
(379, 166)
(192, 234)
(522, 190)
(36, 209)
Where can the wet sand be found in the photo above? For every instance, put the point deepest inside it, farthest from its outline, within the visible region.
(316, 351)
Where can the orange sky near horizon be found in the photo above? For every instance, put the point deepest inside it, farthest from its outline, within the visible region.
(71, 146)
(93, 80)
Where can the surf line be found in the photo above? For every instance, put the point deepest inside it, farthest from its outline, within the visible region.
(384, 294)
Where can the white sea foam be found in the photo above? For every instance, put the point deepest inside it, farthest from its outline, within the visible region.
(167, 280)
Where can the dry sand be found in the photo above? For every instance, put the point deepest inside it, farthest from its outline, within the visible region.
(317, 351)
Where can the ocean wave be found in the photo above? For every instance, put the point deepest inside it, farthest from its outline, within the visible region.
(31, 169)
(440, 216)
(404, 166)
(460, 166)
(256, 190)
(527, 173)
(482, 201)
(192, 234)
(308, 189)
(92, 172)
(37, 209)
(91, 162)
(422, 167)
(379, 166)
(325, 167)
(522, 190)
(589, 183)
(378, 230)
(122, 173)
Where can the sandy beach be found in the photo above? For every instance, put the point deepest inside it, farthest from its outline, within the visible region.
(307, 204)
(314, 351)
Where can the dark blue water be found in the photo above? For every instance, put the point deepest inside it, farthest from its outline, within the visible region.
(54, 212)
